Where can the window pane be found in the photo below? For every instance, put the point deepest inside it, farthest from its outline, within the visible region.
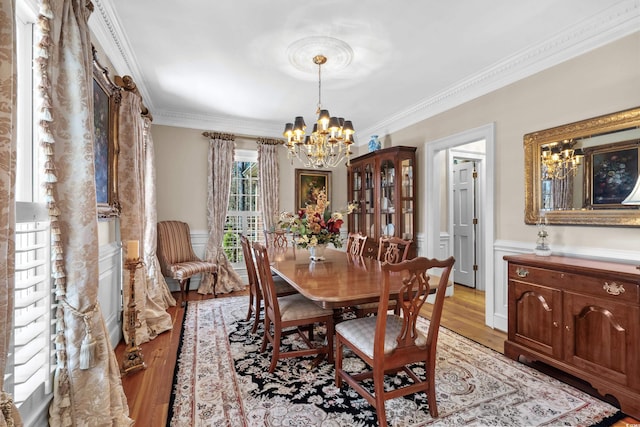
(243, 214)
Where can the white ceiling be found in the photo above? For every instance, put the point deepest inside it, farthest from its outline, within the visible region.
(223, 65)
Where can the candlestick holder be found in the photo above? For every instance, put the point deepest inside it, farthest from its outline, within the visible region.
(133, 360)
(542, 246)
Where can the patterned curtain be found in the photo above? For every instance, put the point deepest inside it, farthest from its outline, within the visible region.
(562, 190)
(87, 387)
(160, 290)
(269, 176)
(8, 412)
(221, 153)
(153, 318)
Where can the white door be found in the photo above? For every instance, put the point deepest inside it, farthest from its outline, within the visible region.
(464, 218)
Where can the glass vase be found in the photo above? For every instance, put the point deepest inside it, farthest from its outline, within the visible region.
(316, 253)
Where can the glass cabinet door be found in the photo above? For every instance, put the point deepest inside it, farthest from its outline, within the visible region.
(357, 198)
(407, 199)
(369, 200)
(388, 197)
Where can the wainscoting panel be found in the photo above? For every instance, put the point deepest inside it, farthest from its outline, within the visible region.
(110, 289)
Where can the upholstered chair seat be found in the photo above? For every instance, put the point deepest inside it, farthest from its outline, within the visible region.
(359, 332)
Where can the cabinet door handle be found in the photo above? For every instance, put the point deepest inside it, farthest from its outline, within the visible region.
(522, 272)
(613, 288)
(555, 324)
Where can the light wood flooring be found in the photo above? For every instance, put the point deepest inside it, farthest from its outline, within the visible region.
(148, 391)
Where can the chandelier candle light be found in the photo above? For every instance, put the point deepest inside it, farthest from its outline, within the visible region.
(561, 160)
(331, 139)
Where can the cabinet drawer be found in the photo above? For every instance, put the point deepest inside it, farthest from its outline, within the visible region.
(540, 276)
(602, 287)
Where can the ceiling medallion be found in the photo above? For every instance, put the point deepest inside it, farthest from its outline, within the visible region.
(300, 51)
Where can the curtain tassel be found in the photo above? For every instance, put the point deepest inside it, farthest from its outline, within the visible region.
(88, 347)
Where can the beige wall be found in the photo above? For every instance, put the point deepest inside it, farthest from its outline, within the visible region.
(181, 163)
(602, 81)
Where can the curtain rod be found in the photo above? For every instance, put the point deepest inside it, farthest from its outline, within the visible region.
(127, 83)
(233, 136)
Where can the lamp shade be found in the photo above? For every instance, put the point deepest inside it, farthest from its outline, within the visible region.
(634, 197)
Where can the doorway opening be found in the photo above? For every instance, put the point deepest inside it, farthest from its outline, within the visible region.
(439, 155)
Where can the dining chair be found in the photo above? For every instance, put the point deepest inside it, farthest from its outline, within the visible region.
(392, 250)
(289, 311)
(397, 342)
(177, 258)
(356, 243)
(255, 294)
(276, 239)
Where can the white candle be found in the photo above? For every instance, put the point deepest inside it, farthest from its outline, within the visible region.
(133, 249)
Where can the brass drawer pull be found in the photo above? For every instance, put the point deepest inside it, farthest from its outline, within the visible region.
(522, 272)
(613, 288)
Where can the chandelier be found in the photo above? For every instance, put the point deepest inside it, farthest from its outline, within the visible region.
(330, 141)
(560, 160)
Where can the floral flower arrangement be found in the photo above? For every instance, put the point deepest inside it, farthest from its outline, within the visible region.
(315, 225)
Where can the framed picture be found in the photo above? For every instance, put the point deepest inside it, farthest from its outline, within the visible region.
(106, 100)
(611, 173)
(308, 184)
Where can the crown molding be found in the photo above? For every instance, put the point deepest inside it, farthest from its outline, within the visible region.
(105, 26)
(612, 24)
(223, 124)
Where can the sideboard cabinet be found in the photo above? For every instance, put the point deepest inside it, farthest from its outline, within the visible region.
(580, 316)
(382, 185)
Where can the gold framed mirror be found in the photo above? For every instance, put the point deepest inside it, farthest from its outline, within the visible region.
(578, 173)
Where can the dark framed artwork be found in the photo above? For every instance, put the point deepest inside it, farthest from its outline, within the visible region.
(309, 183)
(106, 101)
(612, 171)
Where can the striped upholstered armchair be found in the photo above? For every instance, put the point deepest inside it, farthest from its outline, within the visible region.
(176, 256)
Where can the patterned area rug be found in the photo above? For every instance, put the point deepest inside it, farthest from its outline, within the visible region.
(222, 379)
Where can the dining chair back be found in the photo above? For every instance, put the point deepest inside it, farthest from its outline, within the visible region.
(397, 341)
(289, 311)
(255, 292)
(276, 239)
(393, 249)
(177, 258)
(356, 243)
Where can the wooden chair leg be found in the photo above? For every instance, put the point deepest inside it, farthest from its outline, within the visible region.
(250, 308)
(256, 310)
(378, 386)
(338, 363)
(276, 349)
(215, 283)
(267, 331)
(184, 288)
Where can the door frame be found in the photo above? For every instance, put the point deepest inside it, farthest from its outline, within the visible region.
(436, 155)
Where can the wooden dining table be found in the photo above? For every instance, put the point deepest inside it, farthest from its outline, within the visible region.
(341, 280)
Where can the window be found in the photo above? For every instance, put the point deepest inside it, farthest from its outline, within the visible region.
(30, 364)
(243, 214)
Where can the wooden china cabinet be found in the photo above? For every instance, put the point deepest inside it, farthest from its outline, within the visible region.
(581, 316)
(382, 185)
